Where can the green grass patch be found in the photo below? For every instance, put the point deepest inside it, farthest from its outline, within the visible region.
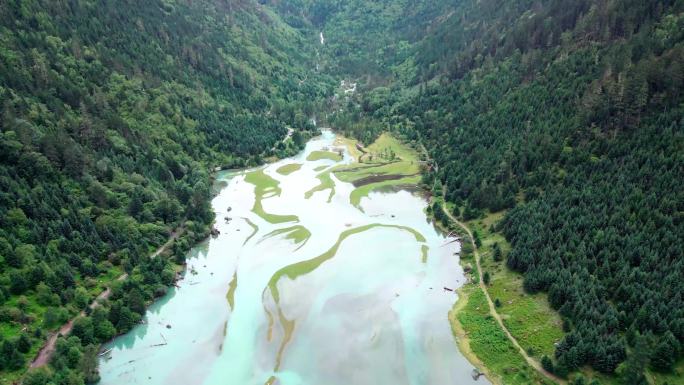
(320, 168)
(489, 343)
(263, 183)
(529, 318)
(298, 234)
(350, 144)
(288, 168)
(386, 144)
(359, 193)
(674, 377)
(272, 218)
(386, 157)
(266, 187)
(358, 171)
(326, 183)
(319, 155)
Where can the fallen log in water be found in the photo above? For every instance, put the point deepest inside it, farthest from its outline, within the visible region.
(476, 374)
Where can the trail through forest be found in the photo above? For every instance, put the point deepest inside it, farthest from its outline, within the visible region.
(46, 352)
(492, 309)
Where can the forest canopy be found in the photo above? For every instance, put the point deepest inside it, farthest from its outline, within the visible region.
(569, 116)
(113, 116)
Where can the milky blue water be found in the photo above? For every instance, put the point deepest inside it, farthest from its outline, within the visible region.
(373, 313)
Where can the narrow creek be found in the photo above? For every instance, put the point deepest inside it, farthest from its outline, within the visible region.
(299, 290)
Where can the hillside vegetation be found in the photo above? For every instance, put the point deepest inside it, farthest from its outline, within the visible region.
(566, 118)
(113, 116)
(567, 114)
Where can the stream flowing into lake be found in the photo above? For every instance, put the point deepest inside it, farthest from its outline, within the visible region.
(333, 296)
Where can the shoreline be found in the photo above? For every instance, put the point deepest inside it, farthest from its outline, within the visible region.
(461, 336)
(458, 331)
(46, 350)
(479, 319)
(465, 364)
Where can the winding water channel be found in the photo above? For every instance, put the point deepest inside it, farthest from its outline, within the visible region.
(308, 291)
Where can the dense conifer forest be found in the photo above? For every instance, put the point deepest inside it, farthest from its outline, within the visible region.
(568, 115)
(114, 115)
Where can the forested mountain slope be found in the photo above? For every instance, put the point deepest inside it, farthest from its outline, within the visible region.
(570, 115)
(373, 40)
(113, 115)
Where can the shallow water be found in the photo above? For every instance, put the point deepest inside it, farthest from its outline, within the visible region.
(367, 309)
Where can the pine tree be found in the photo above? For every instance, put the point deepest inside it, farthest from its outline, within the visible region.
(497, 254)
(547, 364)
(665, 353)
(23, 343)
(476, 236)
(89, 364)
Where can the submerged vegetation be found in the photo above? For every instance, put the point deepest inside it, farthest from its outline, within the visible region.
(326, 184)
(298, 234)
(254, 227)
(561, 119)
(288, 168)
(264, 187)
(304, 267)
(567, 115)
(385, 163)
(112, 117)
(320, 155)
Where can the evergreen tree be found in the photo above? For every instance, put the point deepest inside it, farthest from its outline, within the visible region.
(89, 364)
(665, 353)
(497, 254)
(23, 343)
(547, 364)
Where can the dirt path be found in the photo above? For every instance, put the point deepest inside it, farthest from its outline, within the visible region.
(48, 349)
(492, 309)
(172, 237)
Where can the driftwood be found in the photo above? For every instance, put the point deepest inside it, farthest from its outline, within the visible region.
(450, 242)
(447, 289)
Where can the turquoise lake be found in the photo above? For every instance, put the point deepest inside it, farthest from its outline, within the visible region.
(357, 302)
